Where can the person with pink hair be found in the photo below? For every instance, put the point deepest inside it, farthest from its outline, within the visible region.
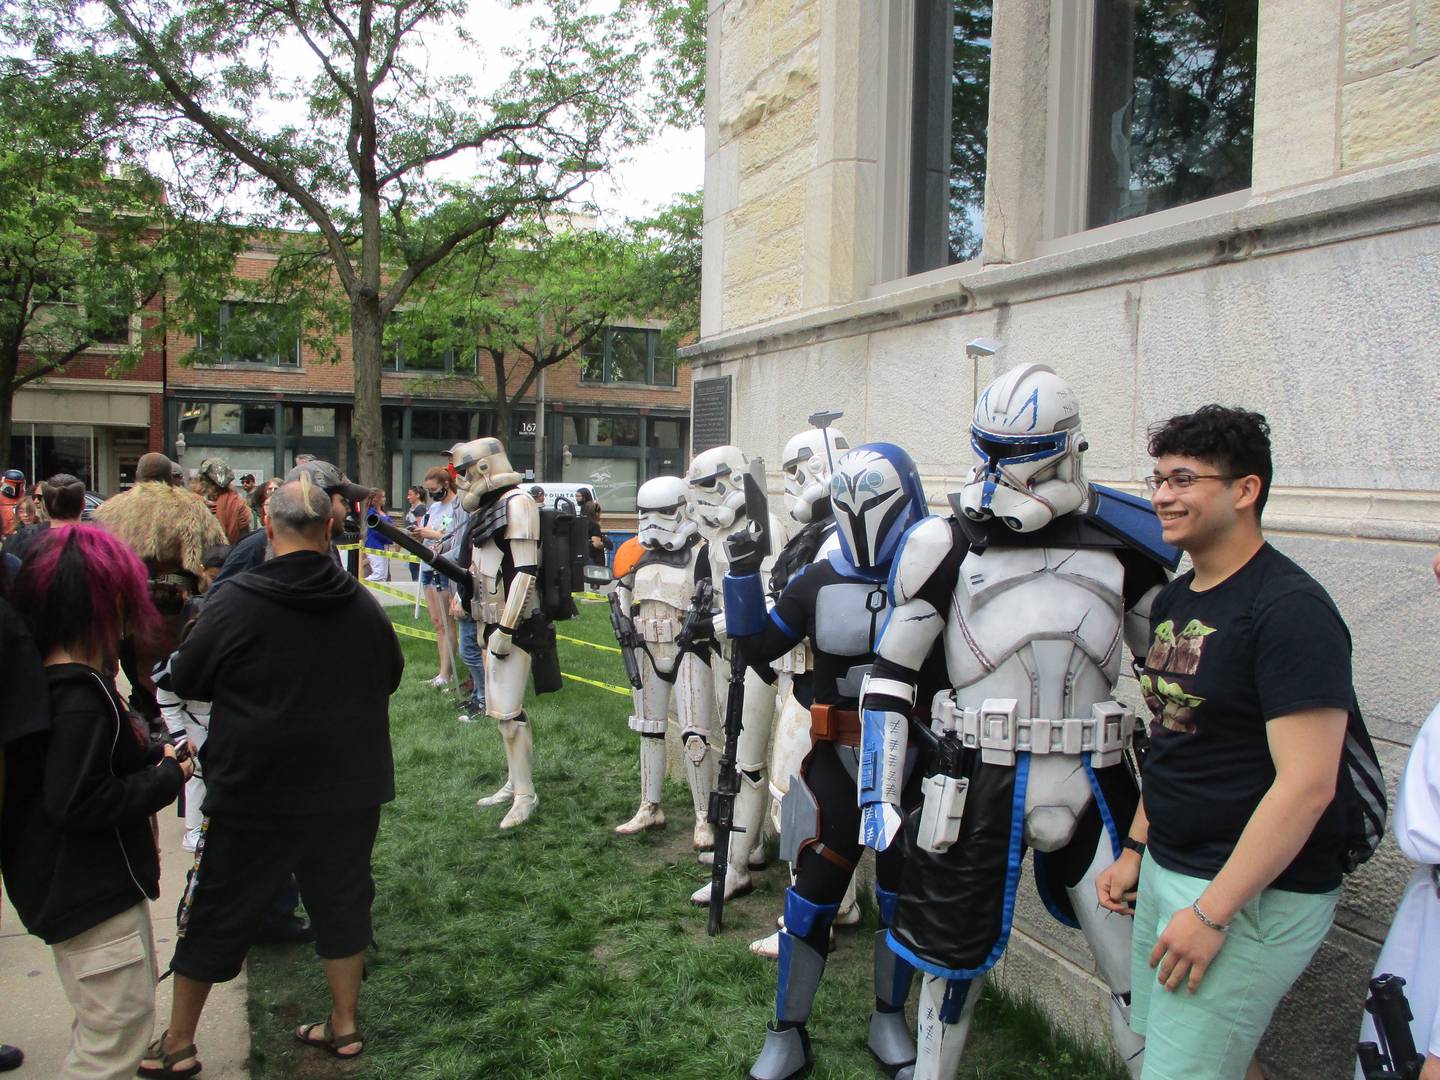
(77, 843)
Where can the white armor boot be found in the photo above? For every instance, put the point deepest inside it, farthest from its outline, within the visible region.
(652, 777)
(942, 1021)
(519, 750)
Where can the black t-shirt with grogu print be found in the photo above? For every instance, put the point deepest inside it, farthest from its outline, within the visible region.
(1264, 643)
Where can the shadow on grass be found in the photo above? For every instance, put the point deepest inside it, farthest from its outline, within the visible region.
(560, 950)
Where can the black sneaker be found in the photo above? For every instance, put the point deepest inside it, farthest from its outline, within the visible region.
(11, 1057)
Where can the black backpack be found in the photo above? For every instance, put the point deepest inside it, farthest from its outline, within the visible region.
(1360, 790)
(562, 538)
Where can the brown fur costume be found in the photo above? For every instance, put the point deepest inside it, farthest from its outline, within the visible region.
(168, 527)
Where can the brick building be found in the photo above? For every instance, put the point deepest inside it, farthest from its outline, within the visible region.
(614, 417)
(89, 423)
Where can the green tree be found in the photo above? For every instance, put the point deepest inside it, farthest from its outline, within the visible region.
(87, 238)
(539, 296)
(338, 110)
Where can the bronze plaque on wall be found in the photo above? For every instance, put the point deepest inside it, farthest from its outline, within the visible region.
(709, 413)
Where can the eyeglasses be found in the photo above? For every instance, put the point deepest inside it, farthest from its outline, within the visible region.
(1180, 481)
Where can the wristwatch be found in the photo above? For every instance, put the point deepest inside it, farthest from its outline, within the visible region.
(1133, 845)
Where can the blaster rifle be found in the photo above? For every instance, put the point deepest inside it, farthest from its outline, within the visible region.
(1395, 1058)
(439, 563)
(727, 782)
(628, 640)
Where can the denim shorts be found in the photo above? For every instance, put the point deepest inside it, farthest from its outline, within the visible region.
(1212, 1033)
(433, 579)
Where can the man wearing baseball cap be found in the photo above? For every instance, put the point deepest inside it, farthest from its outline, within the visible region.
(251, 551)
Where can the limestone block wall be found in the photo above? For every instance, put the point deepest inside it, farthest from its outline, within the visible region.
(1314, 298)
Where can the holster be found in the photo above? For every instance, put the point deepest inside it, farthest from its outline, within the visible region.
(536, 635)
(835, 724)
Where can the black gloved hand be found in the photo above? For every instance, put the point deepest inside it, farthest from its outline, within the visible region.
(743, 553)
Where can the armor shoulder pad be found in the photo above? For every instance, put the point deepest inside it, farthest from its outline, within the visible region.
(522, 516)
(628, 557)
(1133, 520)
(922, 550)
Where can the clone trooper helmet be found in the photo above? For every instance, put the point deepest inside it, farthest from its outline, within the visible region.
(481, 467)
(809, 457)
(876, 496)
(717, 487)
(665, 520)
(1027, 443)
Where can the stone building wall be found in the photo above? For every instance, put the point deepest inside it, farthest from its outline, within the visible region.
(1313, 297)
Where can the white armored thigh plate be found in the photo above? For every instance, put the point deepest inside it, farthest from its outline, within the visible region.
(848, 618)
(485, 564)
(1009, 597)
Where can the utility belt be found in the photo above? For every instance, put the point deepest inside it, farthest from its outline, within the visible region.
(999, 734)
(832, 723)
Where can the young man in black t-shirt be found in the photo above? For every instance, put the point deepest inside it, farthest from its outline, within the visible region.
(1236, 844)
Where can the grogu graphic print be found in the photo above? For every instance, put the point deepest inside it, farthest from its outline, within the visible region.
(1223, 662)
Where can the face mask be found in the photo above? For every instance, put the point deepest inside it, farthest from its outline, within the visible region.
(433, 495)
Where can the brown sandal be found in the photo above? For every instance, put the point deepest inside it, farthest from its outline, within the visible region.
(166, 1068)
(332, 1044)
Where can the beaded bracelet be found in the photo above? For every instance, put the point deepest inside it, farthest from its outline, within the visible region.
(1224, 928)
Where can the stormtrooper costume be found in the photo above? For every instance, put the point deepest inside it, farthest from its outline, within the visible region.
(839, 604)
(1036, 580)
(657, 590)
(717, 499)
(505, 566)
(1413, 943)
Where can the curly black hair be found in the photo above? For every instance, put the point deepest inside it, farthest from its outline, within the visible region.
(1235, 441)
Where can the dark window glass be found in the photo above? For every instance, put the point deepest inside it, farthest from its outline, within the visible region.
(412, 346)
(452, 424)
(951, 105)
(666, 433)
(616, 431)
(260, 420)
(666, 363)
(251, 333)
(1172, 104)
(627, 354)
(592, 359)
(392, 418)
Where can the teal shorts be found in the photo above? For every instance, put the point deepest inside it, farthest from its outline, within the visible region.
(1212, 1034)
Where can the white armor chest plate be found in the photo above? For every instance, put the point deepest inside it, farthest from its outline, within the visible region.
(1041, 625)
(662, 593)
(486, 566)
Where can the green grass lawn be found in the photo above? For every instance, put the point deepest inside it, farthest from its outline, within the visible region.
(559, 949)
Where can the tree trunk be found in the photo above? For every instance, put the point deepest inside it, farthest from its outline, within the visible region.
(366, 326)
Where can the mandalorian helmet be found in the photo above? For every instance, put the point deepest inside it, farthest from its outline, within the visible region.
(1027, 443)
(809, 457)
(665, 521)
(717, 488)
(876, 496)
(481, 467)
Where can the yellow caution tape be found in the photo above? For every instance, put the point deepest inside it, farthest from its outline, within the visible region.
(603, 686)
(403, 556)
(589, 644)
(390, 590)
(413, 631)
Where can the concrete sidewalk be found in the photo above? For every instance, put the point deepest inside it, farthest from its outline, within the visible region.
(35, 1016)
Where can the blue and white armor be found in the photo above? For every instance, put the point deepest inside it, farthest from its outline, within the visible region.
(839, 605)
(1026, 587)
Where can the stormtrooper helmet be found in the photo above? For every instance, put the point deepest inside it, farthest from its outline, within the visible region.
(717, 488)
(809, 457)
(1027, 443)
(481, 467)
(876, 496)
(665, 521)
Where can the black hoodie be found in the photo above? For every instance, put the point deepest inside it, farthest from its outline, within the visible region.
(77, 846)
(298, 662)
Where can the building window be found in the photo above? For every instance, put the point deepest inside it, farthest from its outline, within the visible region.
(629, 354)
(412, 347)
(581, 430)
(1172, 109)
(66, 315)
(226, 418)
(440, 424)
(950, 105)
(251, 333)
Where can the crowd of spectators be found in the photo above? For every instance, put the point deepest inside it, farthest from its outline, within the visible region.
(198, 627)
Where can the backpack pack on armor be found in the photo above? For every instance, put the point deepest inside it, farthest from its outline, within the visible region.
(562, 536)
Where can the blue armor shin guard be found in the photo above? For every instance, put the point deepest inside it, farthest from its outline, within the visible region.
(801, 963)
(890, 1040)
